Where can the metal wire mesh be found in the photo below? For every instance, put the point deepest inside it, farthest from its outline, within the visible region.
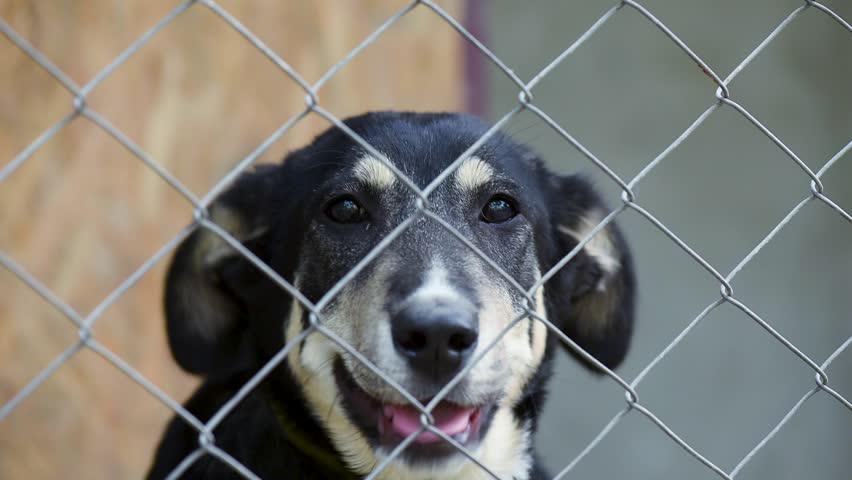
(723, 97)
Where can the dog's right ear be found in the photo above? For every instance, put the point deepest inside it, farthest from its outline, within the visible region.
(205, 311)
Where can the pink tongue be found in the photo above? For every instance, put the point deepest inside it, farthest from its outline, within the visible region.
(450, 419)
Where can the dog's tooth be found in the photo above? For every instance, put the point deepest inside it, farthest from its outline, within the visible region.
(463, 436)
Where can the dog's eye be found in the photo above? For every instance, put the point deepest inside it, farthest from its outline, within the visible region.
(346, 210)
(498, 210)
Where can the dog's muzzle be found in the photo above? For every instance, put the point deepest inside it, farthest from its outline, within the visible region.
(436, 339)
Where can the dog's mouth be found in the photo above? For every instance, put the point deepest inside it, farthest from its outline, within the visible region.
(387, 425)
(452, 420)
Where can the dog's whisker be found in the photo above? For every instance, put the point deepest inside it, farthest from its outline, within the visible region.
(323, 367)
(331, 407)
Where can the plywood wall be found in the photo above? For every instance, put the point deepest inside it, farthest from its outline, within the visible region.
(83, 213)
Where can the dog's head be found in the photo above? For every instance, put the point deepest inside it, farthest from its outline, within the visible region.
(425, 306)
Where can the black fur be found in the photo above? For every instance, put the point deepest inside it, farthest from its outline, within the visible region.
(224, 316)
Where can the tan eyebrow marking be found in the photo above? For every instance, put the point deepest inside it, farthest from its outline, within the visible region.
(472, 173)
(373, 172)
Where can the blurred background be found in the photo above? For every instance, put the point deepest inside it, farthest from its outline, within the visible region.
(83, 213)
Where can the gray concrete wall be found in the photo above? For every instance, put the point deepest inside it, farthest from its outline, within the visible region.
(626, 95)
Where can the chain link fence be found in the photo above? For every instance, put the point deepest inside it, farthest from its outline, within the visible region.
(720, 96)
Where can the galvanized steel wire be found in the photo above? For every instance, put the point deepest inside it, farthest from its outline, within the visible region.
(719, 96)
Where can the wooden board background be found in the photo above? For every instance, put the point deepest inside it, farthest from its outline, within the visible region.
(83, 213)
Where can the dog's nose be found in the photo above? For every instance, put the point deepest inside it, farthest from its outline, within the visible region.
(436, 341)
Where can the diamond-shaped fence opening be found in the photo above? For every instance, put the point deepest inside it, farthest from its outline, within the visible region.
(720, 95)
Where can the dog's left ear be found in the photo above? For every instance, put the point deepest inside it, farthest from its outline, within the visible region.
(592, 297)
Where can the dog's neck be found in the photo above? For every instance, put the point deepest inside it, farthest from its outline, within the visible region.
(309, 443)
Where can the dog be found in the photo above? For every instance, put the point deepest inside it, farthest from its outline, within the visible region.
(421, 311)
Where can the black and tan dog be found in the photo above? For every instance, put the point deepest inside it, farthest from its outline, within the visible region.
(420, 311)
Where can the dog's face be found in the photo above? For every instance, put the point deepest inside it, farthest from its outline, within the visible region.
(422, 310)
